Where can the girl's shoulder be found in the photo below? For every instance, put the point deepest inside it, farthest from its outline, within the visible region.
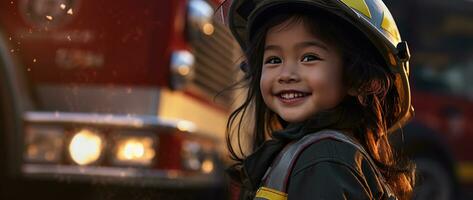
(334, 151)
(335, 166)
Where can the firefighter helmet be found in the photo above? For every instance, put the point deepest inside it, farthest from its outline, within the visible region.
(371, 17)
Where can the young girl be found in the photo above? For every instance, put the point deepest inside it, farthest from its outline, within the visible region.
(333, 70)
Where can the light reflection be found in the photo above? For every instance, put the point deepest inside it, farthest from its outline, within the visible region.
(184, 70)
(186, 126)
(207, 166)
(208, 29)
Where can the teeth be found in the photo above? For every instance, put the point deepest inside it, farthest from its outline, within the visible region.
(291, 95)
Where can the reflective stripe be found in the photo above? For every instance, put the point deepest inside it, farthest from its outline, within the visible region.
(465, 171)
(389, 25)
(358, 5)
(270, 194)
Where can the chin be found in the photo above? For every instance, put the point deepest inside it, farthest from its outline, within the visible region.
(293, 119)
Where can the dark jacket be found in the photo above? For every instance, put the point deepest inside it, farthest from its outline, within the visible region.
(333, 170)
(328, 169)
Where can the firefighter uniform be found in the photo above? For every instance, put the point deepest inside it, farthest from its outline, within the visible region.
(328, 169)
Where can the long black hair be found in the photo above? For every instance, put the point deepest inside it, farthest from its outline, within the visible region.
(375, 105)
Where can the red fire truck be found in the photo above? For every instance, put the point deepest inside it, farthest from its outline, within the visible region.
(440, 138)
(112, 93)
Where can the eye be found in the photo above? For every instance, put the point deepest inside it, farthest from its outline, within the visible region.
(310, 57)
(273, 60)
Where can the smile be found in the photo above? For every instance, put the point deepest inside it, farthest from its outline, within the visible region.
(291, 96)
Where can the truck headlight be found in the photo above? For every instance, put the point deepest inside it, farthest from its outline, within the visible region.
(86, 147)
(43, 143)
(135, 150)
(200, 15)
(182, 68)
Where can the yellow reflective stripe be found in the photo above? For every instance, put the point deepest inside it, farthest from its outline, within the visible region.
(465, 171)
(359, 5)
(270, 194)
(389, 25)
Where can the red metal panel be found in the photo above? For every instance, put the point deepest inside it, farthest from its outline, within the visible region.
(94, 42)
(450, 116)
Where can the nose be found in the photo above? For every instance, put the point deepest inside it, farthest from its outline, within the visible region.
(289, 73)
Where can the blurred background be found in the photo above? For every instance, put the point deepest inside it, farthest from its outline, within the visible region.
(439, 139)
(123, 99)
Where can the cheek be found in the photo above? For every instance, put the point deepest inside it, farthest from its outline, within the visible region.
(265, 83)
(266, 86)
(320, 80)
(327, 84)
(335, 85)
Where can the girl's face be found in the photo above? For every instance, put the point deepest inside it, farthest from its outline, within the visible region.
(301, 74)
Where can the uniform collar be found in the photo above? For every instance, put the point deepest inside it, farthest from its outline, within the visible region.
(254, 166)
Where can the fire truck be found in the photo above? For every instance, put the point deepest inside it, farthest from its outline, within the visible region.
(113, 94)
(440, 138)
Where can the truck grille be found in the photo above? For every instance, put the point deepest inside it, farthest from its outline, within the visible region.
(215, 67)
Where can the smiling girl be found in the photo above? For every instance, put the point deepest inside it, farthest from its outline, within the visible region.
(327, 83)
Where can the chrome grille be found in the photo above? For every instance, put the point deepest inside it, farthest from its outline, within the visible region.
(215, 67)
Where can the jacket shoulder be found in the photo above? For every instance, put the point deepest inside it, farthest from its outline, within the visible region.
(340, 159)
(330, 150)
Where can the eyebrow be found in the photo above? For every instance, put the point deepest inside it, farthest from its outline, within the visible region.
(299, 45)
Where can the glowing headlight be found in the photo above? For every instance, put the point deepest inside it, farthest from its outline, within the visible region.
(85, 147)
(135, 150)
(43, 143)
(182, 68)
(200, 15)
